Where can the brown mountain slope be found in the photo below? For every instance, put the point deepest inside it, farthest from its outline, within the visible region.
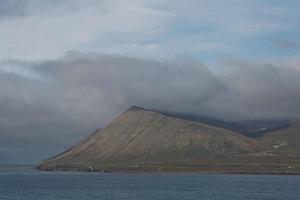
(285, 141)
(139, 136)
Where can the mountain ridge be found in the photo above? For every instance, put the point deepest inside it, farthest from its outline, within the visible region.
(249, 128)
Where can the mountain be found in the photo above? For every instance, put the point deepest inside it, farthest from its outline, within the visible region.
(249, 128)
(147, 140)
(285, 141)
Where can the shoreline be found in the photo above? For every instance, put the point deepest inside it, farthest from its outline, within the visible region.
(278, 173)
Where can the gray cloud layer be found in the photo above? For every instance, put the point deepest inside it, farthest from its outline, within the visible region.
(50, 104)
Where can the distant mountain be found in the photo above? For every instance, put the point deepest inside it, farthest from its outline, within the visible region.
(249, 128)
(147, 140)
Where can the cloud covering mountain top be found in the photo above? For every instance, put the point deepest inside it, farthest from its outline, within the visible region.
(69, 67)
(90, 89)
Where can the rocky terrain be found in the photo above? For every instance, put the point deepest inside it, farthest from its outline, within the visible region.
(142, 140)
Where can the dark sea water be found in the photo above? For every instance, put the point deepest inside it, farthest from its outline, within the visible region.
(24, 184)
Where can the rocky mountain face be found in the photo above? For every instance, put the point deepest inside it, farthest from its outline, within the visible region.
(144, 137)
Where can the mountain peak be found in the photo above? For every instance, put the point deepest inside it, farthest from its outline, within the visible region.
(135, 108)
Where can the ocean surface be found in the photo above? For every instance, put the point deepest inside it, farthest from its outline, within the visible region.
(28, 184)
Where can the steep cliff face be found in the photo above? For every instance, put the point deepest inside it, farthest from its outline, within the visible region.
(140, 135)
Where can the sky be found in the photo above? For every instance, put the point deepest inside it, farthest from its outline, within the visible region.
(68, 67)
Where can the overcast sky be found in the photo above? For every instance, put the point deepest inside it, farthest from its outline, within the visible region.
(68, 67)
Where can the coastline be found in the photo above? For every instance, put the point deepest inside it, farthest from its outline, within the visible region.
(239, 165)
(195, 171)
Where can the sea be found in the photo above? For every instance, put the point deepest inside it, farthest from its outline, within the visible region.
(25, 183)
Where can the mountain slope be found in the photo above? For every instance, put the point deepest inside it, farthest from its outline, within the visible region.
(249, 128)
(140, 135)
(285, 141)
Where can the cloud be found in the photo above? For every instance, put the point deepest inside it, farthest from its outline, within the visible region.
(78, 93)
(46, 30)
(79, 83)
(39, 30)
(260, 90)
